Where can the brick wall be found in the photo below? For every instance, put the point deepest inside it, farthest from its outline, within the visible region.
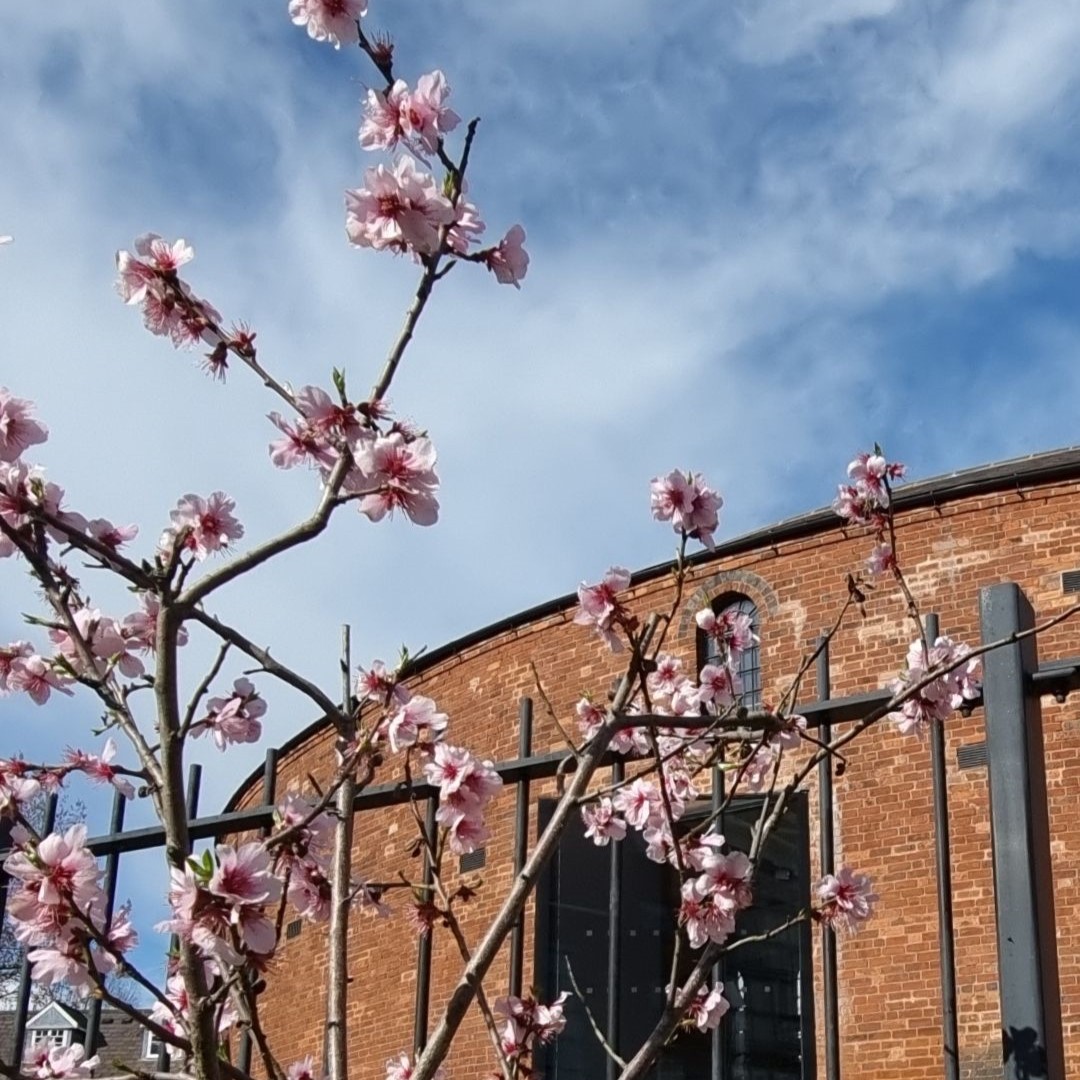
(888, 972)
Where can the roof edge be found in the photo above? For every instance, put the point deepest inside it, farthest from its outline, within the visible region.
(1045, 467)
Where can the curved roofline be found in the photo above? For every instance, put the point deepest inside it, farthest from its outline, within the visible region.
(1045, 467)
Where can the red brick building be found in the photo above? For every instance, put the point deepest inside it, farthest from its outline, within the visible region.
(1014, 521)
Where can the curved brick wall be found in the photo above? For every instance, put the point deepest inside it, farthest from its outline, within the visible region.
(1012, 522)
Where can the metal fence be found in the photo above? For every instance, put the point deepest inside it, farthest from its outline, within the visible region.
(1013, 684)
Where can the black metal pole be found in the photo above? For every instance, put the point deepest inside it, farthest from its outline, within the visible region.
(191, 803)
(112, 867)
(269, 790)
(1020, 842)
(423, 950)
(521, 838)
(950, 1040)
(716, 1048)
(618, 773)
(827, 850)
(22, 1001)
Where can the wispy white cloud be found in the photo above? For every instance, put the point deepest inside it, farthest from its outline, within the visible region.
(722, 212)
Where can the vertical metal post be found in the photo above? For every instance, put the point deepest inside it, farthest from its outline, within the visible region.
(716, 1048)
(950, 1040)
(521, 837)
(269, 790)
(22, 1001)
(112, 867)
(827, 851)
(618, 774)
(1020, 840)
(423, 949)
(194, 784)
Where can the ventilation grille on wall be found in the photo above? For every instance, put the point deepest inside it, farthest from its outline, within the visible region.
(1070, 581)
(971, 756)
(473, 861)
(294, 928)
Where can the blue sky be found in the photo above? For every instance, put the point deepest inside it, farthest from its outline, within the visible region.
(763, 235)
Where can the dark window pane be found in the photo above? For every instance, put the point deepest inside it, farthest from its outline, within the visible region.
(765, 981)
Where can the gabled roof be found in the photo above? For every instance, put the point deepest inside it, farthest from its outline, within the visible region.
(56, 1015)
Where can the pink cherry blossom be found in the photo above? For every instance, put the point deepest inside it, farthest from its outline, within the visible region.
(18, 427)
(509, 261)
(942, 696)
(640, 803)
(400, 475)
(244, 875)
(207, 525)
(417, 716)
(112, 536)
(140, 627)
(732, 630)
(304, 1069)
(401, 1068)
(688, 503)
(379, 683)
(153, 258)
(707, 1009)
(419, 117)
(99, 768)
(33, 675)
(235, 719)
(9, 654)
(599, 606)
(866, 499)
(602, 823)
(61, 869)
(103, 637)
(400, 209)
(329, 20)
(590, 717)
(881, 560)
(847, 899)
(58, 1063)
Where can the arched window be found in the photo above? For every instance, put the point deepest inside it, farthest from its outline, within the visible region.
(748, 664)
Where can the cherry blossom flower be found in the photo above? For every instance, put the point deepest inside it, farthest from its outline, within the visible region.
(640, 803)
(602, 823)
(942, 696)
(112, 536)
(866, 499)
(591, 717)
(103, 637)
(16, 787)
(61, 869)
(140, 627)
(419, 117)
(688, 503)
(303, 444)
(598, 606)
(304, 1069)
(707, 1009)
(417, 716)
(59, 1062)
(18, 427)
(400, 475)
(401, 1068)
(334, 21)
(99, 768)
(509, 261)
(235, 719)
(847, 899)
(379, 683)
(207, 525)
(881, 560)
(33, 675)
(732, 630)
(401, 209)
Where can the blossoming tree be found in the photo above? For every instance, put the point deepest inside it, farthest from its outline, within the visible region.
(226, 905)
